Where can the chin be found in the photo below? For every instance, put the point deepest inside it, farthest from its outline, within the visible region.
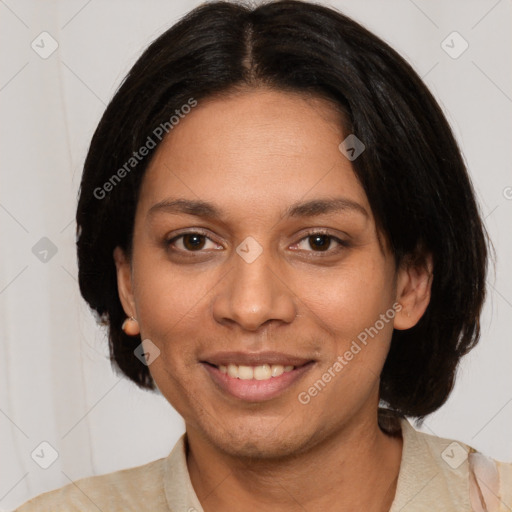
(263, 449)
(272, 441)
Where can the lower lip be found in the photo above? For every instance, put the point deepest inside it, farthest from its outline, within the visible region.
(256, 390)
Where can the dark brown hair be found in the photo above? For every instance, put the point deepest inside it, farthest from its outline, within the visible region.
(412, 170)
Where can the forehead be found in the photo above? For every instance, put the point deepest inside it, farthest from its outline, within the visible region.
(254, 151)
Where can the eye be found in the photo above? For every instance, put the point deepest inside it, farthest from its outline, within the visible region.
(192, 241)
(320, 242)
(197, 241)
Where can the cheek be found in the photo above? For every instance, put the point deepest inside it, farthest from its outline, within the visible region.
(171, 306)
(349, 307)
(166, 292)
(349, 299)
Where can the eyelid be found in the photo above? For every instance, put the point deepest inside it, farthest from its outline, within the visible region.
(188, 231)
(321, 231)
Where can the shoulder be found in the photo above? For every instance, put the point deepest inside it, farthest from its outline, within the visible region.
(128, 489)
(490, 482)
(462, 473)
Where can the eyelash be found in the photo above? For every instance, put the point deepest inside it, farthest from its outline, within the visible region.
(342, 243)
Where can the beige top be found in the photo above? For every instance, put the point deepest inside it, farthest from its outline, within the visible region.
(436, 474)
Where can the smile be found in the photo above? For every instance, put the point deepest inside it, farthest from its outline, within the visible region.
(255, 383)
(260, 372)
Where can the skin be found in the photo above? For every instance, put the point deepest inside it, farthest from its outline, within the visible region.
(253, 154)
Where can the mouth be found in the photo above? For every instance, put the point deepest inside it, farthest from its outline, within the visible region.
(256, 382)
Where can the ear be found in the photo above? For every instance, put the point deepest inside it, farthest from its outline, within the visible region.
(414, 285)
(124, 282)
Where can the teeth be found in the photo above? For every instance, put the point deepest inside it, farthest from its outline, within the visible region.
(277, 370)
(245, 372)
(261, 372)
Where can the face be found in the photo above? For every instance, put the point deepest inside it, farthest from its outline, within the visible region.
(256, 267)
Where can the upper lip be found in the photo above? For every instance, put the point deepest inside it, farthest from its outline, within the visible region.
(254, 359)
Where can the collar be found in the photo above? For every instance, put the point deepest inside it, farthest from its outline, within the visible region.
(431, 477)
(434, 474)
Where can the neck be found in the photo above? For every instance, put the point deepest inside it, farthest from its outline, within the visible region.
(356, 468)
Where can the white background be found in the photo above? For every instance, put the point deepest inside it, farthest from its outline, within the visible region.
(56, 383)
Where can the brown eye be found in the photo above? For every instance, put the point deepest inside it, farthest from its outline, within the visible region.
(193, 241)
(320, 242)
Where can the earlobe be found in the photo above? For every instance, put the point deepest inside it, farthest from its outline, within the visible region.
(414, 285)
(124, 282)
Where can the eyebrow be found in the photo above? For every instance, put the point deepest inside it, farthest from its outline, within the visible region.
(310, 208)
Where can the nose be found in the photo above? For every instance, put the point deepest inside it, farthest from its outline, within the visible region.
(252, 295)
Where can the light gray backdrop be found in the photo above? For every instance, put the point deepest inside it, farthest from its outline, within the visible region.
(56, 384)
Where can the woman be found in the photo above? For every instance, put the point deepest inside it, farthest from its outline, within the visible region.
(277, 226)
